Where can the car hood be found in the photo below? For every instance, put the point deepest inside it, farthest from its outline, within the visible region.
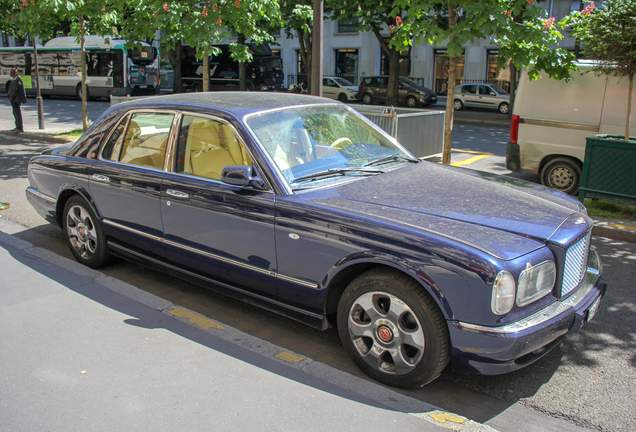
(504, 216)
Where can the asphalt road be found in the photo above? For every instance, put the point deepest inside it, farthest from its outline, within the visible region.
(587, 382)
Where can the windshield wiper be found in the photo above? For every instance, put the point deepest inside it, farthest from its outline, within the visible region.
(391, 158)
(334, 172)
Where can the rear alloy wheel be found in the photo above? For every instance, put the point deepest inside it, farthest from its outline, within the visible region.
(563, 174)
(393, 329)
(367, 99)
(84, 234)
(503, 107)
(411, 101)
(343, 97)
(458, 105)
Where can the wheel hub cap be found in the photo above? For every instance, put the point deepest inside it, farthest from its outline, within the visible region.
(385, 334)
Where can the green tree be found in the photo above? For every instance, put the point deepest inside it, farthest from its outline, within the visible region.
(298, 18)
(609, 35)
(377, 16)
(457, 22)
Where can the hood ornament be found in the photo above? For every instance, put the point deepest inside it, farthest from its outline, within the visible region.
(579, 221)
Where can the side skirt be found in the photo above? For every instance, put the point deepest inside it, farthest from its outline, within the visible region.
(311, 319)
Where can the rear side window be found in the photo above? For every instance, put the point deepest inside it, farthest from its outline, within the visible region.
(144, 141)
(471, 89)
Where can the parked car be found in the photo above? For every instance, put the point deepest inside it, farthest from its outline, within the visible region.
(375, 89)
(339, 88)
(551, 120)
(303, 206)
(481, 95)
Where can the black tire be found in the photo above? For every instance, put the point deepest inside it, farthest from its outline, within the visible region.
(503, 107)
(562, 174)
(389, 306)
(343, 97)
(367, 99)
(84, 233)
(197, 88)
(411, 101)
(78, 92)
(458, 105)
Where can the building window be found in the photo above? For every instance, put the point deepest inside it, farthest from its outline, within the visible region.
(347, 64)
(442, 63)
(494, 75)
(347, 26)
(405, 62)
(276, 52)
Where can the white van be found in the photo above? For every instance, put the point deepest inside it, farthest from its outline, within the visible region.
(552, 118)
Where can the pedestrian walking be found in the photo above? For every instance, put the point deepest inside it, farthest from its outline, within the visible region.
(17, 96)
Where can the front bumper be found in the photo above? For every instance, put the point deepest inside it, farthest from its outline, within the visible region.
(498, 350)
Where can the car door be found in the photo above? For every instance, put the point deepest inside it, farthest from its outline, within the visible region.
(222, 232)
(470, 96)
(487, 97)
(125, 181)
(381, 89)
(329, 88)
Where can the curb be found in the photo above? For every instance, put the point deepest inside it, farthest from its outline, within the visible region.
(615, 229)
(386, 396)
(36, 136)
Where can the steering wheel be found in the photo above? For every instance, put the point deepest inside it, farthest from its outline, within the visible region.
(337, 143)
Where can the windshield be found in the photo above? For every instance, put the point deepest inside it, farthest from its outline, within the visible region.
(321, 144)
(498, 89)
(270, 65)
(343, 82)
(408, 81)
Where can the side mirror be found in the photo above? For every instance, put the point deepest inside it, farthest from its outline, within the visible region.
(241, 175)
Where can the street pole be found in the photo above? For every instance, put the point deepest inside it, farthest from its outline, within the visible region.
(317, 48)
(38, 98)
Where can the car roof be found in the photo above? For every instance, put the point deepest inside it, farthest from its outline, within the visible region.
(237, 103)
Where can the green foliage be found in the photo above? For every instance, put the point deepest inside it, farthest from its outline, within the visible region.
(608, 35)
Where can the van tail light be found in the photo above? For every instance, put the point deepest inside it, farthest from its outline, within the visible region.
(514, 129)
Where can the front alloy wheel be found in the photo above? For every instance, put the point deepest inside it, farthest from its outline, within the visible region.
(393, 329)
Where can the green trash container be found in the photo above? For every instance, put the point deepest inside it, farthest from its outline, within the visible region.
(609, 169)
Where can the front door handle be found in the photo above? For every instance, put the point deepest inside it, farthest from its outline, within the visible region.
(177, 194)
(101, 178)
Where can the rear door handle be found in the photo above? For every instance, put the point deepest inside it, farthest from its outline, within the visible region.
(101, 178)
(177, 194)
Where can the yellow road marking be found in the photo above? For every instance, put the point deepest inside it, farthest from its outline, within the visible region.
(467, 151)
(196, 319)
(472, 159)
(289, 357)
(627, 227)
(444, 417)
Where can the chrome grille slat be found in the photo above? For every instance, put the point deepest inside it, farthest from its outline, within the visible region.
(575, 264)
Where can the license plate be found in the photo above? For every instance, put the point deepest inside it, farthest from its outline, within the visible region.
(593, 310)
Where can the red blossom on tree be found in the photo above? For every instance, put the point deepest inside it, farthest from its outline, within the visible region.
(204, 12)
(588, 10)
(165, 7)
(238, 3)
(549, 23)
(219, 22)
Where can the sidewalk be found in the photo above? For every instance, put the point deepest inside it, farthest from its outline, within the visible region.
(84, 352)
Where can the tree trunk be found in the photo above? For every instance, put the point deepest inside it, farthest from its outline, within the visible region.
(513, 88)
(450, 94)
(392, 96)
(629, 105)
(174, 55)
(304, 39)
(241, 66)
(83, 66)
(206, 69)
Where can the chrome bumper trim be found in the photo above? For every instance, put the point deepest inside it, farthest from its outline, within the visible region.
(549, 312)
(39, 195)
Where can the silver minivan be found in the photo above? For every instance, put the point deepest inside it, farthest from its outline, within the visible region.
(481, 95)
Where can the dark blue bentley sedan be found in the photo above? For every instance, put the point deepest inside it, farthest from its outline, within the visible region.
(303, 206)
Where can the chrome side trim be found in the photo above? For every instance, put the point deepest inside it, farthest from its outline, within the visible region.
(39, 195)
(132, 230)
(233, 288)
(298, 281)
(544, 315)
(216, 257)
(220, 258)
(563, 125)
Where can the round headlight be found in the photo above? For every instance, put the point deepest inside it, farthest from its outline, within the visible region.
(503, 293)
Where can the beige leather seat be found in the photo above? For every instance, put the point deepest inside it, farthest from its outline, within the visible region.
(210, 147)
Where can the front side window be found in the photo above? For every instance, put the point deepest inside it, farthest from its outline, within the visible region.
(144, 141)
(317, 145)
(206, 146)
